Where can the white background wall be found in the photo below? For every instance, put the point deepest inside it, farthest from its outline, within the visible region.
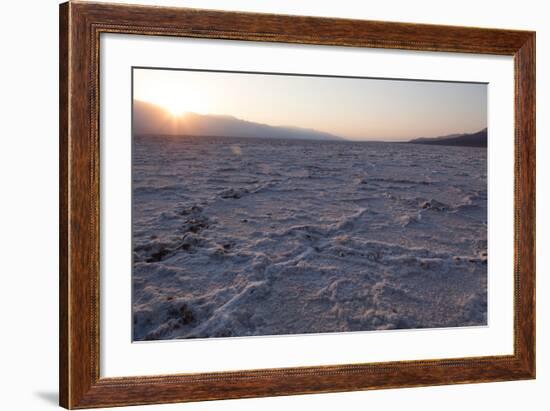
(29, 190)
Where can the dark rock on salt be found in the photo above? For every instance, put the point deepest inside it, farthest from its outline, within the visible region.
(195, 225)
(158, 256)
(232, 193)
(183, 314)
(434, 205)
(191, 210)
(186, 315)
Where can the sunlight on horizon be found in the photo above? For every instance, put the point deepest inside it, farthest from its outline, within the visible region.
(353, 108)
(178, 104)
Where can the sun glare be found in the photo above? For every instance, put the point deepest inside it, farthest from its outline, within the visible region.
(178, 105)
(176, 110)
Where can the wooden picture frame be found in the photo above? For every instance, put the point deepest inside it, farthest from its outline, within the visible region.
(80, 27)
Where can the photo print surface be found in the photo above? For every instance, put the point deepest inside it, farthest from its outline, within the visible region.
(272, 204)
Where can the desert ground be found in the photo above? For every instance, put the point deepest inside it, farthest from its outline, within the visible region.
(248, 237)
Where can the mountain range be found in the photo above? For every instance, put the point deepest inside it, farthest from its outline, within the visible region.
(478, 139)
(151, 119)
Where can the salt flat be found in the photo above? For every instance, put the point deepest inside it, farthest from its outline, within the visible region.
(244, 237)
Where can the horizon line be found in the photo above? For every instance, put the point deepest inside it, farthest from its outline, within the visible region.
(393, 139)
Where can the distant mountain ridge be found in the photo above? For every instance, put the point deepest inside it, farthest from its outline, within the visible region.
(478, 139)
(150, 119)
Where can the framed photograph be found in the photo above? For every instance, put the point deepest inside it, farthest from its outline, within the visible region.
(258, 205)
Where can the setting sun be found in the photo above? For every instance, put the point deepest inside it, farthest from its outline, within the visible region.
(174, 97)
(174, 108)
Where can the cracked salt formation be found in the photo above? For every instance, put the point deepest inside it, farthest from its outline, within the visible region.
(247, 237)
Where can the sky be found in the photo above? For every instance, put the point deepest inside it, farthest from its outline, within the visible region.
(352, 108)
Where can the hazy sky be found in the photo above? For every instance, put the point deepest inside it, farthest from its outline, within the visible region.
(358, 109)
